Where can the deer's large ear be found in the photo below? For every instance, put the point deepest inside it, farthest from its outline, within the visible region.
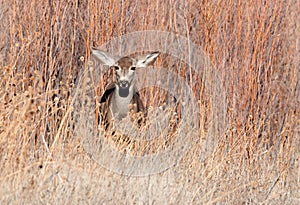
(104, 57)
(147, 60)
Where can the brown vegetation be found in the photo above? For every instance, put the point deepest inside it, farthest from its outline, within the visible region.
(255, 49)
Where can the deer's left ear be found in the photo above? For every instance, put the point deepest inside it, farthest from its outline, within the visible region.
(147, 60)
(104, 57)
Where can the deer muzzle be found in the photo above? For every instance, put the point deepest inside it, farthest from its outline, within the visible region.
(124, 88)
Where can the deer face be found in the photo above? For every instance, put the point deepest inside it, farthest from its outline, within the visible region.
(125, 68)
(125, 75)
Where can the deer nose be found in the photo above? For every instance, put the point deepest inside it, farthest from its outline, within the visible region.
(123, 83)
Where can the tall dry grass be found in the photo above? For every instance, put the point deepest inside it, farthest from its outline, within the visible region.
(255, 48)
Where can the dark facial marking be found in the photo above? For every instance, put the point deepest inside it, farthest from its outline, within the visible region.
(116, 67)
(124, 91)
(125, 62)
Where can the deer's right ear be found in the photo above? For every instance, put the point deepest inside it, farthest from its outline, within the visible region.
(103, 57)
(147, 60)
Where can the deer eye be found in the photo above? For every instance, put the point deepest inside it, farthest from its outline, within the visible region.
(116, 67)
(132, 68)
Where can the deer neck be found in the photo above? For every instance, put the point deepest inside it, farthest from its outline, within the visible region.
(120, 105)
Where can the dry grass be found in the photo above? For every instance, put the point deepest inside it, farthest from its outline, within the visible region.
(255, 49)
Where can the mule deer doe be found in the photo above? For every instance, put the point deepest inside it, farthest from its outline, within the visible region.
(122, 96)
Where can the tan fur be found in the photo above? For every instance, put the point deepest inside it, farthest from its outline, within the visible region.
(122, 97)
(137, 111)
